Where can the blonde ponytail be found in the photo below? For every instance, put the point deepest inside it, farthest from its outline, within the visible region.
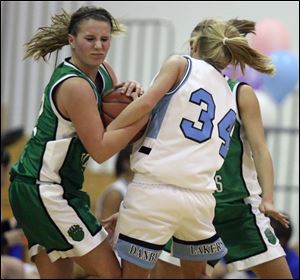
(49, 39)
(222, 43)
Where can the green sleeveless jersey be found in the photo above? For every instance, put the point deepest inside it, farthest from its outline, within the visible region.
(54, 153)
(237, 177)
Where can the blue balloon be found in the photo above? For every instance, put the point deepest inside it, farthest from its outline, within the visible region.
(286, 77)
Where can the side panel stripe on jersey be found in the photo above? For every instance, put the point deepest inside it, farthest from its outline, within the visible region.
(53, 160)
(44, 205)
(158, 115)
(41, 160)
(67, 195)
(160, 109)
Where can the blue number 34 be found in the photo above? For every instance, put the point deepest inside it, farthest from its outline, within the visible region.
(206, 118)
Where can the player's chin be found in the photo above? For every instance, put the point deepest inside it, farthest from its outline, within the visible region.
(96, 60)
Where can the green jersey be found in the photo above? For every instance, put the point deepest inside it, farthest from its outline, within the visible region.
(54, 153)
(237, 178)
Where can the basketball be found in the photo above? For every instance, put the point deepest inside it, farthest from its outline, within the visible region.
(113, 103)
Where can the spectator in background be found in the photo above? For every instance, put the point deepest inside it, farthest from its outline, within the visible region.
(12, 237)
(110, 199)
(8, 137)
(11, 234)
(284, 235)
(11, 266)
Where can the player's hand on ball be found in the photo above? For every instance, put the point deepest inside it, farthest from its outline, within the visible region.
(132, 88)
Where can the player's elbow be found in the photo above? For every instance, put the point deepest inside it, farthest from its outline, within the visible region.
(100, 152)
(100, 157)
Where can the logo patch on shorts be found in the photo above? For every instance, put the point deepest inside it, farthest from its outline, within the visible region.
(76, 232)
(270, 236)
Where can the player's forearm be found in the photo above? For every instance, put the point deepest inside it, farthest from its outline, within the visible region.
(116, 140)
(132, 113)
(264, 169)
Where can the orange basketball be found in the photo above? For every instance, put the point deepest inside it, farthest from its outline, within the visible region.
(113, 103)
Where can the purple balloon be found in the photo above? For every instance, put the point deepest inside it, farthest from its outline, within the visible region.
(251, 76)
(231, 72)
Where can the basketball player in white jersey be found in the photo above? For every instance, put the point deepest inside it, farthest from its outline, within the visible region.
(187, 139)
(244, 198)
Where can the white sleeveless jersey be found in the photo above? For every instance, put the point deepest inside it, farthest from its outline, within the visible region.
(188, 135)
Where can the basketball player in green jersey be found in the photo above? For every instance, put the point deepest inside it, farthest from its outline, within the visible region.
(244, 195)
(45, 191)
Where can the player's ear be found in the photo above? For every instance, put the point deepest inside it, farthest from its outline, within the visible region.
(195, 50)
(71, 39)
(194, 45)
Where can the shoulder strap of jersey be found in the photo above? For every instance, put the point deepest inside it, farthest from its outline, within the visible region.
(234, 86)
(106, 78)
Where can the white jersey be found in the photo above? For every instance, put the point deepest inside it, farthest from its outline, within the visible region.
(189, 132)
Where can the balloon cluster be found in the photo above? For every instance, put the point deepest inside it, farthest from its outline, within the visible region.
(272, 39)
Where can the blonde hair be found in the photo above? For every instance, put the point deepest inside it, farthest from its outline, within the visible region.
(50, 39)
(221, 43)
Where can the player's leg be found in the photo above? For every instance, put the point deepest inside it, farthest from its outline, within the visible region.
(275, 269)
(132, 271)
(166, 270)
(70, 234)
(144, 227)
(167, 266)
(193, 269)
(101, 262)
(216, 269)
(193, 255)
(249, 238)
(35, 222)
(60, 269)
(196, 241)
